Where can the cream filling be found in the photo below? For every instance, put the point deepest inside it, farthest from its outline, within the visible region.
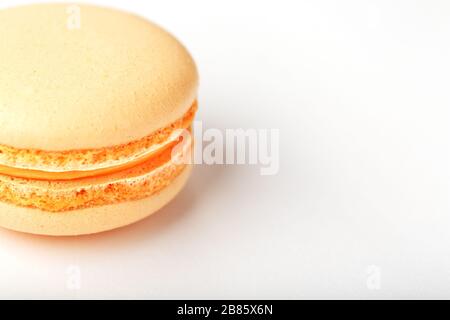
(103, 168)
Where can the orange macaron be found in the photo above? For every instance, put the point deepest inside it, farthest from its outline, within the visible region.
(93, 103)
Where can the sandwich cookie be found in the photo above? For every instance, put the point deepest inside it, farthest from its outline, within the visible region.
(93, 106)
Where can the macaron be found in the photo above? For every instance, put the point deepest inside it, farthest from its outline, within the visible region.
(93, 106)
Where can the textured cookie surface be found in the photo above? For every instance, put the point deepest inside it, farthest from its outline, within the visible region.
(137, 182)
(82, 77)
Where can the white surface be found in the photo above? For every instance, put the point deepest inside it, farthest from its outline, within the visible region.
(360, 93)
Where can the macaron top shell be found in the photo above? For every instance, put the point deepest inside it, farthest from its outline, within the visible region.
(85, 77)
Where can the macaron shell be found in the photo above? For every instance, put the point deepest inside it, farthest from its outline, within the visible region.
(115, 79)
(89, 220)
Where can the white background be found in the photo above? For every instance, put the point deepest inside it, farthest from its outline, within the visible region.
(360, 93)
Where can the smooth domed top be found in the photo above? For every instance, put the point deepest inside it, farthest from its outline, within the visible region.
(82, 77)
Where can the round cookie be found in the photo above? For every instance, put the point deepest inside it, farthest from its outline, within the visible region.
(93, 106)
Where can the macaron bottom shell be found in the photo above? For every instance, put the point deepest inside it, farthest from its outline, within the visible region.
(94, 204)
(89, 220)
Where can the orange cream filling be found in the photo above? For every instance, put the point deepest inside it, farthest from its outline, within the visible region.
(99, 162)
(135, 183)
(72, 175)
